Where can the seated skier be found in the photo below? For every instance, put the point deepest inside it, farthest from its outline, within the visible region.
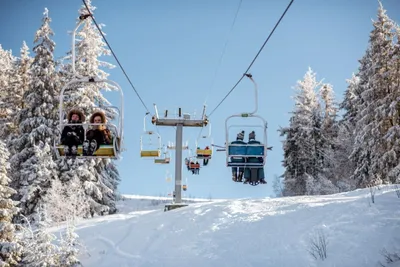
(191, 166)
(237, 172)
(197, 170)
(260, 171)
(73, 135)
(98, 135)
(205, 160)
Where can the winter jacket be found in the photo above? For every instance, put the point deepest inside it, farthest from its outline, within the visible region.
(73, 134)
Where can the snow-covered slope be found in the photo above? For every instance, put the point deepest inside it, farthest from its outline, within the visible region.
(249, 232)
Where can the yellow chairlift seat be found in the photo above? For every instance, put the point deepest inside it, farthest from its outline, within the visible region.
(150, 153)
(204, 153)
(104, 151)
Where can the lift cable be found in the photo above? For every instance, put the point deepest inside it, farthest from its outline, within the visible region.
(109, 46)
(252, 62)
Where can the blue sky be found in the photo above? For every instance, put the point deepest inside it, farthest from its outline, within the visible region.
(171, 49)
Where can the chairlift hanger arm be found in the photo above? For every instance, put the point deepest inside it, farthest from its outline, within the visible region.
(248, 75)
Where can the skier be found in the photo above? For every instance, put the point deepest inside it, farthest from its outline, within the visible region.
(98, 135)
(260, 171)
(238, 170)
(73, 135)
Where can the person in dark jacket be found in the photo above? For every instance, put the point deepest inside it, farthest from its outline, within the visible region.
(73, 135)
(237, 172)
(98, 135)
(260, 171)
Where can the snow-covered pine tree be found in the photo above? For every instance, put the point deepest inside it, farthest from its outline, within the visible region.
(344, 142)
(361, 153)
(17, 76)
(381, 97)
(352, 101)
(66, 201)
(19, 83)
(109, 184)
(32, 166)
(329, 125)
(373, 120)
(6, 109)
(98, 180)
(69, 248)
(293, 185)
(38, 243)
(10, 248)
(329, 131)
(24, 73)
(300, 146)
(391, 157)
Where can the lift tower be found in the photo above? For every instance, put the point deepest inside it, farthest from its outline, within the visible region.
(181, 121)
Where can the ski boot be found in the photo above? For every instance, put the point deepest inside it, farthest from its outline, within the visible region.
(74, 151)
(92, 147)
(67, 151)
(240, 177)
(234, 177)
(85, 148)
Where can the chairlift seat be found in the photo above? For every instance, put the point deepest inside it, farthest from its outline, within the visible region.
(255, 150)
(237, 150)
(150, 153)
(162, 161)
(104, 150)
(246, 150)
(193, 166)
(203, 153)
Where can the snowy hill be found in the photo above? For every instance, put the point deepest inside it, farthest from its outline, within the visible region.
(248, 232)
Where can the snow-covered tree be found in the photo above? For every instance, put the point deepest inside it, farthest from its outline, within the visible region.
(69, 248)
(343, 165)
(17, 79)
(352, 102)
(32, 166)
(299, 146)
(6, 109)
(10, 249)
(308, 144)
(373, 107)
(24, 74)
(330, 111)
(345, 139)
(19, 83)
(38, 243)
(391, 156)
(108, 184)
(360, 156)
(329, 131)
(380, 96)
(66, 201)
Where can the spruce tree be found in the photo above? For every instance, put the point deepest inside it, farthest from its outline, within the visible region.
(33, 167)
(10, 248)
